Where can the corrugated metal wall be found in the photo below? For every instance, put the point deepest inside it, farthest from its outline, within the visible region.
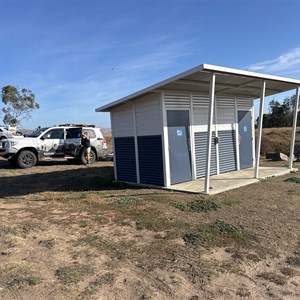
(200, 154)
(177, 100)
(148, 115)
(125, 159)
(151, 160)
(227, 151)
(244, 103)
(141, 122)
(224, 126)
(225, 107)
(122, 121)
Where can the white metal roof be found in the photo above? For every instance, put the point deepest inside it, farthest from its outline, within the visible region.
(228, 82)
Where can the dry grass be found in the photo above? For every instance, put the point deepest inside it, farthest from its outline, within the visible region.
(278, 139)
(78, 236)
(68, 232)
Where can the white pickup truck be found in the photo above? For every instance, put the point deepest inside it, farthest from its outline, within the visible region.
(56, 141)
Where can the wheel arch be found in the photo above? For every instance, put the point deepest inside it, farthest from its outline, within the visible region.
(32, 149)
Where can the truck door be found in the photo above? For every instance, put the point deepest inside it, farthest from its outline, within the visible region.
(73, 141)
(52, 142)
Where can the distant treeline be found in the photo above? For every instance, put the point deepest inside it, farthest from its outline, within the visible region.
(280, 114)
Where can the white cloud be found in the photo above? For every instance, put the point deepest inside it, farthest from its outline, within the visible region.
(288, 62)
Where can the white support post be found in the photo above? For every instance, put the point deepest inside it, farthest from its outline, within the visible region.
(209, 130)
(137, 168)
(293, 137)
(258, 144)
(113, 144)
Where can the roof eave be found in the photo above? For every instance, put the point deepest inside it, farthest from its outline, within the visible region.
(202, 67)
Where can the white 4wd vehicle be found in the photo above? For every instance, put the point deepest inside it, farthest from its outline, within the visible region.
(4, 133)
(58, 141)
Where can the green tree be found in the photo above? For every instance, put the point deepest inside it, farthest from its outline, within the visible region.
(280, 114)
(17, 104)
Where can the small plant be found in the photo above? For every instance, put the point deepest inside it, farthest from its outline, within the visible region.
(293, 179)
(126, 200)
(225, 228)
(199, 205)
(181, 205)
(200, 237)
(73, 274)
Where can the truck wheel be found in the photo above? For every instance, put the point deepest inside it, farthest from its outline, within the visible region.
(92, 157)
(26, 159)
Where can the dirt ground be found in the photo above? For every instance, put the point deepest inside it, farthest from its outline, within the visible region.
(68, 232)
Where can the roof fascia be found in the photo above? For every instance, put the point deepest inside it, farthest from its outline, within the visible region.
(230, 71)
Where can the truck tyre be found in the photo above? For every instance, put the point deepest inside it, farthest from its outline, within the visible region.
(26, 159)
(92, 157)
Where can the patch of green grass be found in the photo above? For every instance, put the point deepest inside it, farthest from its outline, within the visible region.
(231, 202)
(219, 234)
(126, 200)
(93, 287)
(74, 273)
(100, 244)
(273, 277)
(201, 237)
(28, 227)
(226, 229)
(16, 275)
(199, 205)
(293, 179)
(8, 230)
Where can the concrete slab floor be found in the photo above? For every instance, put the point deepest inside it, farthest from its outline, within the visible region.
(228, 181)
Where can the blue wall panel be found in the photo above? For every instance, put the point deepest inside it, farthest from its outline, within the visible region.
(151, 160)
(125, 159)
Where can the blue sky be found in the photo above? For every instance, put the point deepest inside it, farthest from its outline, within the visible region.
(77, 55)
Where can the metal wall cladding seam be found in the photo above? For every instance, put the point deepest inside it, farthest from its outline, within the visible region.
(227, 151)
(151, 159)
(125, 159)
(200, 154)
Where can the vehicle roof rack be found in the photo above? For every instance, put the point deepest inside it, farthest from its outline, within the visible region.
(78, 125)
